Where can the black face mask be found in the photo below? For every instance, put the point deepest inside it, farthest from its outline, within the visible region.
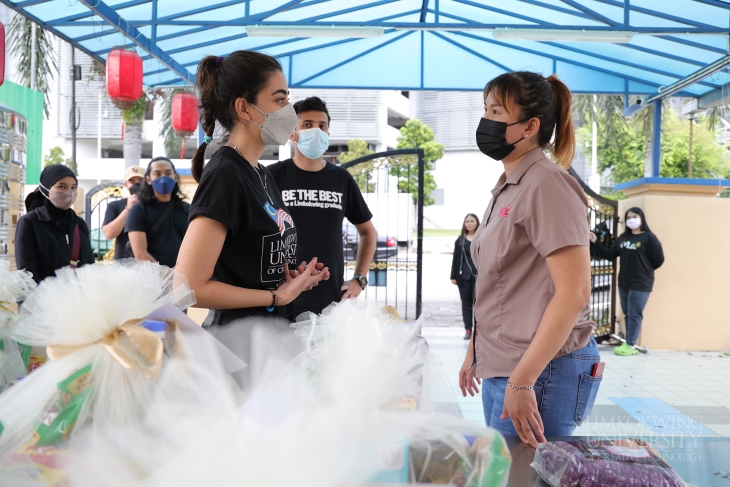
(492, 140)
(134, 188)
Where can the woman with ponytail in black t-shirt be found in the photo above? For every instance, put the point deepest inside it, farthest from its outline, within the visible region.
(240, 248)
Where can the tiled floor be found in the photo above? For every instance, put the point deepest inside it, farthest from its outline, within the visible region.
(646, 394)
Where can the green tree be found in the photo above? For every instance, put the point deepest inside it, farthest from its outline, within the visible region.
(361, 172)
(55, 156)
(624, 155)
(417, 135)
(709, 159)
(20, 44)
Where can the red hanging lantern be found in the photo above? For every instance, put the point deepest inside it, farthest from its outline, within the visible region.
(184, 113)
(124, 77)
(2, 54)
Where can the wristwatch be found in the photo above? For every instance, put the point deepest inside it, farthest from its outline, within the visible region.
(362, 280)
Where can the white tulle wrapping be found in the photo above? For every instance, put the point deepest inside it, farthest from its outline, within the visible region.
(80, 307)
(83, 305)
(14, 286)
(312, 422)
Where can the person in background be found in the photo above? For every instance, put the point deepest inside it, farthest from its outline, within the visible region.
(115, 218)
(463, 271)
(50, 235)
(532, 342)
(157, 224)
(319, 197)
(641, 254)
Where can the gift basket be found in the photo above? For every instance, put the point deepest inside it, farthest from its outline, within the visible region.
(625, 463)
(132, 397)
(119, 351)
(14, 357)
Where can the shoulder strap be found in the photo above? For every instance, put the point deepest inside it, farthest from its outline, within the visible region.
(161, 220)
(75, 247)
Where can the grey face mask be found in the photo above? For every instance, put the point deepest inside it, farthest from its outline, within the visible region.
(278, 126)
(62, 200)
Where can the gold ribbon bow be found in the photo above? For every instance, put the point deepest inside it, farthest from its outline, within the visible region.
(130, 344)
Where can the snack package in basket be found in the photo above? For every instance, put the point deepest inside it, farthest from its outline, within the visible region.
(623, 463)
(116, 364)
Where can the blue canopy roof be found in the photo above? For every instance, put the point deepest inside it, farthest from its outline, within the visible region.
(595, 46)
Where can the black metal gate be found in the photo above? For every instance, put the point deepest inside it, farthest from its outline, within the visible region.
(392, 184)
(97, 200)
(603, 220)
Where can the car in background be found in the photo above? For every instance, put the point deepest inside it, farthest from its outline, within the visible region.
(387, 247)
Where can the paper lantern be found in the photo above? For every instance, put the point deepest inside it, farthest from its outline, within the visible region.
(2, 54)
(124, 77)
(184, 113)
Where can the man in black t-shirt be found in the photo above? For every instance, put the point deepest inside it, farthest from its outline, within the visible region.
(157, 224)
(115, 217)
(319, 196)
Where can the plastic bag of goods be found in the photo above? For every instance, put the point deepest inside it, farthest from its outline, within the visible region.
(621, 463)
(121, 352)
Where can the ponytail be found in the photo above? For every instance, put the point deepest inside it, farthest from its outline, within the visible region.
(548, 100)
(223, 80)
(205, 79)
(563, 146)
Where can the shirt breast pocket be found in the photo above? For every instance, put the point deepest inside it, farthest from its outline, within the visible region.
(519, 236)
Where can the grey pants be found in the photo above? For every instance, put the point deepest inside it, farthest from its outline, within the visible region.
(266, 343)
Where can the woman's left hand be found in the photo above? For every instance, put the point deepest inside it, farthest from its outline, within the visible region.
(521, 406)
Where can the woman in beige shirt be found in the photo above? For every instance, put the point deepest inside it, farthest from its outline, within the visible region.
(532, 342)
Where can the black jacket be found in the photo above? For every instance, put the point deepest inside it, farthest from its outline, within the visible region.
(41, 247)
(461, 265)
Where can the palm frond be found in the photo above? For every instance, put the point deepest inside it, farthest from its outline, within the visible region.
(19, 35)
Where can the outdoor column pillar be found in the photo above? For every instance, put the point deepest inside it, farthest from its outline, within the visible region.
(656, 139)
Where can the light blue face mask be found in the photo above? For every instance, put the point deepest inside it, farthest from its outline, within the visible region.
(313, 143)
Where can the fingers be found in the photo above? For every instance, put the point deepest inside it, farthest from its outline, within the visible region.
(462, 382)
(319, 266)
(527, 435)
(288, 275)
(538, 426)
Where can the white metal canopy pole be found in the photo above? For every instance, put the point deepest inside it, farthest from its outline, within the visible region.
(33, 54)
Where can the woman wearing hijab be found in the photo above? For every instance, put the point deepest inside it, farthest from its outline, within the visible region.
(50, 235)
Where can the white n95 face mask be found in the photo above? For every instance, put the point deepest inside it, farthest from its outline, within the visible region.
(313, 143)
(277, 127)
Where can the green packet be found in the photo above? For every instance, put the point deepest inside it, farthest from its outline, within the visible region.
(58, 419)
(25, 351)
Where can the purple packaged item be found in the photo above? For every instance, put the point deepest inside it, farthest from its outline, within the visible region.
(621, 463)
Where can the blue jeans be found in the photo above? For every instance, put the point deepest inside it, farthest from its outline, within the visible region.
(633, 303)
(565, 393)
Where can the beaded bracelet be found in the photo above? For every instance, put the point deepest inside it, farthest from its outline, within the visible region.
(520, 388)
(274, 302)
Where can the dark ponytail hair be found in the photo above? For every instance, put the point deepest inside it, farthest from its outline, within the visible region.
(462, 237)
(223, 80)
(548, 100)
(644, 226)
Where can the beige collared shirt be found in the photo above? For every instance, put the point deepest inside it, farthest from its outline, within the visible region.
(539, 209)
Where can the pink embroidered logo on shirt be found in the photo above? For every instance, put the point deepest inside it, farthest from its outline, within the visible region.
(505, 211)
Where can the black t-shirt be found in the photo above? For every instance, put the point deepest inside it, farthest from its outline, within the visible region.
(640, 255)
(164, 245)
(261, 237)
(318, 202)
(113, 210)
